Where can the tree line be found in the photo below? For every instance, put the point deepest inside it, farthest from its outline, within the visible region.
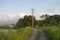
(48, 21)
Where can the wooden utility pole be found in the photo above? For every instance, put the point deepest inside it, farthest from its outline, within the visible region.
(32, 17)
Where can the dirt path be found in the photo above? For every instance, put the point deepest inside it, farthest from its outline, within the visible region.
(33, 36)
(42, 35)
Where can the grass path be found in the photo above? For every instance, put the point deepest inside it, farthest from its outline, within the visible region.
(42, 35)
(38, 35)
(33, 35)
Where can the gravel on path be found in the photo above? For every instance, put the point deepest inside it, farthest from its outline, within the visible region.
(42, 35)
(33, 36)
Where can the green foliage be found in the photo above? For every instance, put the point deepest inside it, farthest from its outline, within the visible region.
(25, 21)
(2, 36)
(50, 20)
(21, 34)
(53, 33)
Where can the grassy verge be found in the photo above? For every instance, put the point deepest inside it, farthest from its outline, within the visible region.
(21, 34)
(53, 33)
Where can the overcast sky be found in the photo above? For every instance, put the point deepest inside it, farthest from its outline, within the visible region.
(12, 10)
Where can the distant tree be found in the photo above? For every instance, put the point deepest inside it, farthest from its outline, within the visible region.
(25, 21)
(50, 20)
(44, 16)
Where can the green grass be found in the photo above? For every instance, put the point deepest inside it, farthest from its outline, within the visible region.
(21, 34)
(53, 33)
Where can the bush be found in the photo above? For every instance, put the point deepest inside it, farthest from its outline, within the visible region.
(53, 33)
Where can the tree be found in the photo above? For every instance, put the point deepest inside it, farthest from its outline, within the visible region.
(50, 20)
(25, 21)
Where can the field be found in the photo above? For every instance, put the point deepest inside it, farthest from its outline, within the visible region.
(53, 33)
(21, 34)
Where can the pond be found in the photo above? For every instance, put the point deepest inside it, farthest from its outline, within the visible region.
(6, 30)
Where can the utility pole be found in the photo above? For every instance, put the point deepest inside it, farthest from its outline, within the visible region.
(32, 17)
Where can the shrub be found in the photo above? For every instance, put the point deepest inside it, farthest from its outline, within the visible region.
(21, 34)
(53, 33)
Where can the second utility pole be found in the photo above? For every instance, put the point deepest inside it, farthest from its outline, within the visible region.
(32, 17)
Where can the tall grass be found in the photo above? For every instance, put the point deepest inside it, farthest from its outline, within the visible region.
(21, 34)
(53, 33)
